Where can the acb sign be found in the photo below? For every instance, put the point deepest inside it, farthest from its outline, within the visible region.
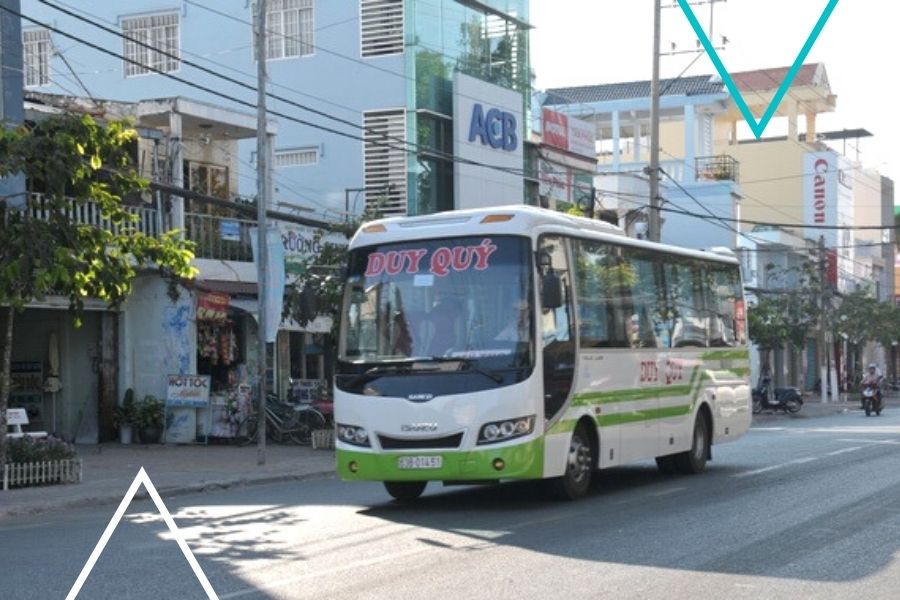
(495, 128)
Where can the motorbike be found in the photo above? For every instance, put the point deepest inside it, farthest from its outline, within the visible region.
(787, 399)
(871, 399)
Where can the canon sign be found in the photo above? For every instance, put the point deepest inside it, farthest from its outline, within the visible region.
(820, 203)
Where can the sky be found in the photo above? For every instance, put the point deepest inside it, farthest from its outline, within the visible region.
(583, 42)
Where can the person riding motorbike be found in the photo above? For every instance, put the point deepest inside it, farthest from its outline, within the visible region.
(872, 377)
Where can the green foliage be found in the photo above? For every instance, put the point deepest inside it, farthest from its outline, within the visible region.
(857, 317)
(151, 412)
(324, 275)
(27, 450)
(74, 160)
(127, 412)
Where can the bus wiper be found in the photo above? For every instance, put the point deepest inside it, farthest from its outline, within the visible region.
(469, 366)
(407, 366)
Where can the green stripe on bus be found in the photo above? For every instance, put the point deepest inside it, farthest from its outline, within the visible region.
(643, 415)
(519, 461)
(616, 396)
(725, 355)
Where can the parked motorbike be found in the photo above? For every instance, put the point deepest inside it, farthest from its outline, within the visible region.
(871, 399)
(786, 399)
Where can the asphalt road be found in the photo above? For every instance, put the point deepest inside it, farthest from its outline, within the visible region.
(798, 508)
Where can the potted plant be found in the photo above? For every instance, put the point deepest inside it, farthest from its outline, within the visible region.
(151, 416)
(125, 416)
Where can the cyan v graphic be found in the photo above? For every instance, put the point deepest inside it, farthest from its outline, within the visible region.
(757, 126)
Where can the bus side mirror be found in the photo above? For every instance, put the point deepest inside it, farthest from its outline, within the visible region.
(551, 291)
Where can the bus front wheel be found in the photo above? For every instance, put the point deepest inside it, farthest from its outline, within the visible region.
(405, 491)
(579, 467)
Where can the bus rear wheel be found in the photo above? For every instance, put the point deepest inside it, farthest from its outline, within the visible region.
(405, 491)
(579, 467)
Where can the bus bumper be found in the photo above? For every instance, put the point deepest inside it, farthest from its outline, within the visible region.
(520, 461)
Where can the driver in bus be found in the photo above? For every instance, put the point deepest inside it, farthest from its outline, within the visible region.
(516, 329)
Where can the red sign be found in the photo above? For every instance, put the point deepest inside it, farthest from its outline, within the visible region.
(212, 306)
(440, 263)
(556, 129)
(831, 267)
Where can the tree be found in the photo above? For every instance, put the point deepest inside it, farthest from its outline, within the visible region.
(319, 289)
(788, 314)
(73, 160)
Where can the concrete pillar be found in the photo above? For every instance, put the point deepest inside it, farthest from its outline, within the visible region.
(810, 128)
(690, 131)
(792, 119)
(616, 140)
(636, 135)
(177, 153)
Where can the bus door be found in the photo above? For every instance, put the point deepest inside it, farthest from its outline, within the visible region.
(556, 325)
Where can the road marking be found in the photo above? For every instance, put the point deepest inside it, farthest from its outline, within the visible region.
(673, 490)
(799, 461)
(845, 450)
(321, 573)
(881, 442)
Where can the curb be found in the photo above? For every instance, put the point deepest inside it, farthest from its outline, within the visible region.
(164, 492)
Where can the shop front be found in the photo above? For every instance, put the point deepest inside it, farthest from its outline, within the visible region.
(226, 357)
(62, 375)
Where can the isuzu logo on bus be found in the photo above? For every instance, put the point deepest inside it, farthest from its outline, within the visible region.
(411, 427)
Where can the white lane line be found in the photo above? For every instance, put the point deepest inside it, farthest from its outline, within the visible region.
(278, 583)
(844, 450)
(673, 490)
(882, 442)
(799, 461)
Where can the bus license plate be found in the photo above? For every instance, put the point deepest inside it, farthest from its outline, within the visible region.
(420, 462)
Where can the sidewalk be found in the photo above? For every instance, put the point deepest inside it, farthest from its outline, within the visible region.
(813, 407)
(110, 468)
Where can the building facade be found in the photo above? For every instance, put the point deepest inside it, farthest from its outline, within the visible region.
(374, 99)
(369, 91)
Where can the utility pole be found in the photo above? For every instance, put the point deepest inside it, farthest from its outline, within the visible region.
(822, 346)
(262, 203)
(653, 223)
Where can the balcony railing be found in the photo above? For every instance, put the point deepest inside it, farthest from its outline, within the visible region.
(88, 213)
(219, 237)
(717, 168)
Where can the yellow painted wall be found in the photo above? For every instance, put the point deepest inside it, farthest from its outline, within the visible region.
(867, 203)
(770, 178)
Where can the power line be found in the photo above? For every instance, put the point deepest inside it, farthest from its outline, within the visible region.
(209, 90)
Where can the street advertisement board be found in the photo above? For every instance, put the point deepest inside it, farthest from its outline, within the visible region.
(569, 134)
(487, 130)
(187, 391)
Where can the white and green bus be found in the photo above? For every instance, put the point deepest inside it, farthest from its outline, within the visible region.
(519, 343)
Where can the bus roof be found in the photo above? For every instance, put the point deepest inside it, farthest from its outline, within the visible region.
(510, 220)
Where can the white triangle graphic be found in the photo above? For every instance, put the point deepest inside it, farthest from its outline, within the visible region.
(141, 478)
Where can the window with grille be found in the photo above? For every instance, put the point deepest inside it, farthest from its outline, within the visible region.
(385, 160)
(290, 28)
(152, 43)
(297, 157)
(381, 27)
(36, 57)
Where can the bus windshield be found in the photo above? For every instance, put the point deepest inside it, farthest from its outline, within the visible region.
(467, 298)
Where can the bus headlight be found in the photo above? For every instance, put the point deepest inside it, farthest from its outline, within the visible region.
(500, 431)
(352, 434)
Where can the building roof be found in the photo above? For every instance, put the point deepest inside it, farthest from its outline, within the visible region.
(760, 80)
(697, 85)
(812, 74)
